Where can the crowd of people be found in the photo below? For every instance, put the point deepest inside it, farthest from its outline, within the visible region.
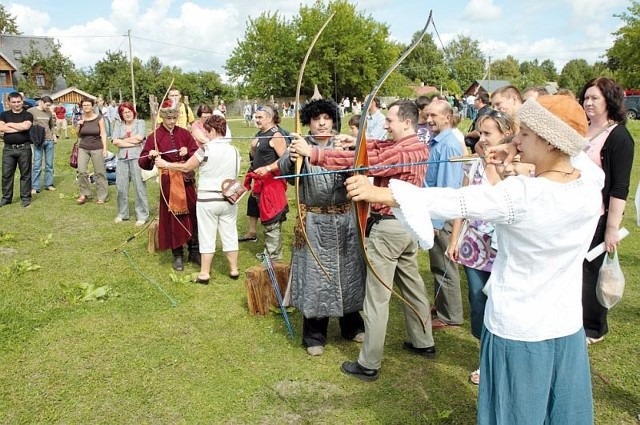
(543, 165)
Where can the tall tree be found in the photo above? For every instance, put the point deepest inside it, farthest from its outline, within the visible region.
(531, 74)
(549, 69)
(426, 63)
(624, 56)
(575, 74)
(505, 69)
(465, 60)
(351, 54)
(8, 22)
(264, 63)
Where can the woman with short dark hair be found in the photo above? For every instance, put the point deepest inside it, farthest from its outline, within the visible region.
(611, 148)
(92, 146)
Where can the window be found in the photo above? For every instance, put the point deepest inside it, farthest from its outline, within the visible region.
(4, 79)
(40, 80)
(17, 54)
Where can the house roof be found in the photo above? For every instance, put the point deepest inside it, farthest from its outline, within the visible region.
(492, 85)
(12, 45)
(61, 93)
(9, 61)
(424, 90)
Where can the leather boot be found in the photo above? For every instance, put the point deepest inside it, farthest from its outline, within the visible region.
(177, 260)
(194, 252)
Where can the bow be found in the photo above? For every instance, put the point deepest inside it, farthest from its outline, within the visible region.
(155, 145)
(299, 160)
(362, 160)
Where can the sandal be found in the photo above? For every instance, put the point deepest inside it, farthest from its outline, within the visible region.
(81, 200)
(474, 378)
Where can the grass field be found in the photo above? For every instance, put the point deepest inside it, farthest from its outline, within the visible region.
(88, 334)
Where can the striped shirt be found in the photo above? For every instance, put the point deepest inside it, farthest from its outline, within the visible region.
(403, 151)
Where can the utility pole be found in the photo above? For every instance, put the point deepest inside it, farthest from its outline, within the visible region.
(133, 84)
(489, 69)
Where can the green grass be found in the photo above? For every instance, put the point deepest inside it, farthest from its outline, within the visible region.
(133, 358)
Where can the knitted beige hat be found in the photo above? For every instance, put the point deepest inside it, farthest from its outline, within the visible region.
(558, 119)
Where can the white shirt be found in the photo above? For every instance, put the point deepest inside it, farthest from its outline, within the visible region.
(223, 162)
(545, 229)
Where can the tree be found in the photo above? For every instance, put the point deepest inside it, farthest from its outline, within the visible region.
(350, 55)
(624, 56)
(531, 74)
(8, 22)
(426, 63)
(47, 60)
(549, 69)
(264, 63)
(575, 74)
(505, 69)
(465, 60)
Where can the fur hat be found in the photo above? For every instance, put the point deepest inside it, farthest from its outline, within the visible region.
(169, 110)
(558, 119)
(320, 106)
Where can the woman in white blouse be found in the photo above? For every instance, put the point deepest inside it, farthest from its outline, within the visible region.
(534, 362)
(218, 161)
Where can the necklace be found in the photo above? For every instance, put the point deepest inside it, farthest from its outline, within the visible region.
(564, 173)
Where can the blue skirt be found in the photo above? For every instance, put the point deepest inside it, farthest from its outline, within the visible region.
(546, 382)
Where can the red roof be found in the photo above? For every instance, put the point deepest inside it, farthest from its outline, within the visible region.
(424, 90)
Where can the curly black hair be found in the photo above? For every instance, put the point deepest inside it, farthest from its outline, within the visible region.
(320, 106)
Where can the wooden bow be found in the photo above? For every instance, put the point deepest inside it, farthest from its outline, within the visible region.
(300, 159)
(362, 160)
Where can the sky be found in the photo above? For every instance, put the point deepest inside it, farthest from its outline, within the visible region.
(201, 34)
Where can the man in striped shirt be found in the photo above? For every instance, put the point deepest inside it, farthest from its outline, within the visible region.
(391, 249)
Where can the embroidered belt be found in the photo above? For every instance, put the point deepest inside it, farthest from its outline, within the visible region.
(327, 209)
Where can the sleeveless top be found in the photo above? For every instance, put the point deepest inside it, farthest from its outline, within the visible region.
(265, 154)
(90, 134)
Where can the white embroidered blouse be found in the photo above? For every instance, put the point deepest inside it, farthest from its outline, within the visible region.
(545, 228)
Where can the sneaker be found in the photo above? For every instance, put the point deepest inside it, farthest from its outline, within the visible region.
(359, 337)
(354, 369)
(428, 352)
(34, 191)
(140, 223)
(474, 378)
(315, 350)
(117, 220)
(51, 188)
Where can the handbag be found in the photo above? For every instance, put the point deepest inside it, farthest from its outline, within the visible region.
(73, 157)
(232, 189)
(610, 285)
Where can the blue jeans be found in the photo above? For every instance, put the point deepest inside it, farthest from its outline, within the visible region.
(47, 150)
(476, 280)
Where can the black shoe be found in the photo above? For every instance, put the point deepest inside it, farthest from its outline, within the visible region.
(354, 369)
(177, 264)
(194, 257)
(428, 352)
(3, 203)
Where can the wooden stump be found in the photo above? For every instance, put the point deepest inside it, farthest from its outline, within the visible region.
(152, 244)
(260, 294)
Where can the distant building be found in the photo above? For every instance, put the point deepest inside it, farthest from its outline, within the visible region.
(12, 49)
(423, 90)
(485, 86)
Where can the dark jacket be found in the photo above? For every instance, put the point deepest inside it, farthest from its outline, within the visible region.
(617, 159)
